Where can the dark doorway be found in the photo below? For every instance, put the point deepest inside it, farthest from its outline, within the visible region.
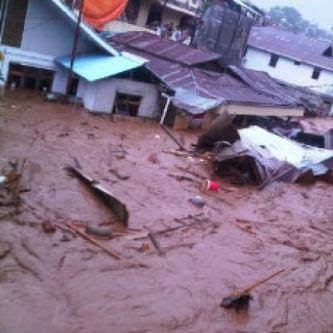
(73, 86)
(28, 77)
(132, 11)
(155, 14)
(127, 105)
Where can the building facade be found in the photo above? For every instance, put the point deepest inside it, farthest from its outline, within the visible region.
(292, 58)
(35, 34)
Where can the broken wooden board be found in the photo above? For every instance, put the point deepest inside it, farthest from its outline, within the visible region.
(117, 207)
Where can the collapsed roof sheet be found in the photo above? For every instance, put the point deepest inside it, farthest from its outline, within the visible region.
(270, 145)
(263, 155)
(295, 46)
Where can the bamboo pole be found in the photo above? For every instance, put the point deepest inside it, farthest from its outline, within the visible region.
(93, 241)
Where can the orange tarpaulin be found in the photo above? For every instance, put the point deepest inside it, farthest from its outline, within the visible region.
(99, 12)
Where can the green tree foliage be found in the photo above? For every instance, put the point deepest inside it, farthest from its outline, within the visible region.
(291, 19)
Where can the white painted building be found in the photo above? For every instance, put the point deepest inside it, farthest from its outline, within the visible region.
(292, 58)
(36, 43)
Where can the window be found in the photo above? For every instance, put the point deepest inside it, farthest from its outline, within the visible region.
(274, 60)
(73, 86)
(155, 14)
(126, 104)
(14, 22)
(328, 52)
(316, 73)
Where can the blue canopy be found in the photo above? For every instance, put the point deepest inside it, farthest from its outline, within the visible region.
(96, 67)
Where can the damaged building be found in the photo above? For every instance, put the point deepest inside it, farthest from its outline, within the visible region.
(134, 73)
(196, 92)
(36, 55)
(262, 157)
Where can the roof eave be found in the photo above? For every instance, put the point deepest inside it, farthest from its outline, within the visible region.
(89, 31)
(265, 49)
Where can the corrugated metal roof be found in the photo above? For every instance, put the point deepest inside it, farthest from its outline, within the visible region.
(96, 67)
(195, 104)
(165, 48)
(207, 84)
(294, 46)
(262, 82)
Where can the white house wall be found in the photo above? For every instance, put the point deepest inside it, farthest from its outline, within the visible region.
(47, 35)
(59, 84)
(48, 31)
(100, 96)
(89, 93)
(81, 89)
(286, 70)
(33, 59)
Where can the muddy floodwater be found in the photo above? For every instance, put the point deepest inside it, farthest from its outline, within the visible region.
(58, 282)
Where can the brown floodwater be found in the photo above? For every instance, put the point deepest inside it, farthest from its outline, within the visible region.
(61, 283)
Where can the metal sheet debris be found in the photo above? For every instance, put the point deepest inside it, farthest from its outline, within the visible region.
(262, 156)
(117, 207)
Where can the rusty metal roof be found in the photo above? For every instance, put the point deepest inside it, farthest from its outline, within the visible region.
(165, 48)
(290, 45)
(264, 83)
(210, 84)
(207, 84)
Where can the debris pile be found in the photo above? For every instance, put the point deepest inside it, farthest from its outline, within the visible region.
(10, 188)
(262, 157)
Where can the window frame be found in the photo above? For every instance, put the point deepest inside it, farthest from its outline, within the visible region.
(316, 73)
(273, 61)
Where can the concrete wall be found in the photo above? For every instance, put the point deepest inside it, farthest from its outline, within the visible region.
(143, 12)
(286, 70)
(99, 96)
(15, 55)
(59, 84)
(47, 34)
(88, 92)
(48, 31)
